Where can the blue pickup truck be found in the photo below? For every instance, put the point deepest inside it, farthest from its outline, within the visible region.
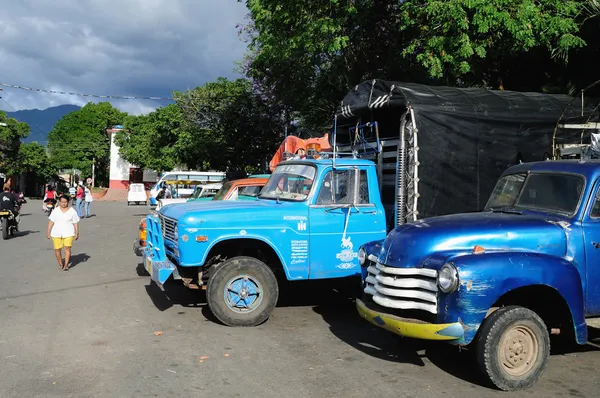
(417, 151)
(307, 223)
(501, 280)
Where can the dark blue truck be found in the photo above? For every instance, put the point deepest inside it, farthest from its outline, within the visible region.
(502, 280)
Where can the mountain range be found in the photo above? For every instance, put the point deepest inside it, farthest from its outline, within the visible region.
(42, 121)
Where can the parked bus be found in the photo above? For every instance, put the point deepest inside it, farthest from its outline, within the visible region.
(195, 178)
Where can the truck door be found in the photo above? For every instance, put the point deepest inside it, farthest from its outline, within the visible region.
(591, 236)
(344, 215)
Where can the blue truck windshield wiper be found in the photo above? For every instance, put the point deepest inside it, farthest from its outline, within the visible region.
(505, 210)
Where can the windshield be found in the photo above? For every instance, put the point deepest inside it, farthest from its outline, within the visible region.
(221, 194)
(289, 182)
(554, 193)
(204, 192)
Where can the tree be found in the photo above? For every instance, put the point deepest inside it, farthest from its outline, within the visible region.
(228, 126)
(311, 53)
(79, 139)
(11, 134)
(222, 125)
(33, 158)
(153, 141)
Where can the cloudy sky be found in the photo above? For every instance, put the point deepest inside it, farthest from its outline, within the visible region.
(114, 47)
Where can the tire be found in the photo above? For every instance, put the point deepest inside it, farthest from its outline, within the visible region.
(128, 203)
(232, 273)
(516, 334)
(4, 222)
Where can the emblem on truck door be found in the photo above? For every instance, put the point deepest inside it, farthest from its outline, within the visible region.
(347, 255)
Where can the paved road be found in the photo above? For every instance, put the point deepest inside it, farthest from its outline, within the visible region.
(90, 332)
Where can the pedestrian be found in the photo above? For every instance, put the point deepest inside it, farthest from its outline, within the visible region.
(72, 191)
(79, 196)
(63, 229)
(88, 199)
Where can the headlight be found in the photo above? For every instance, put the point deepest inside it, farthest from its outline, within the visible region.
(448, 278)
(362, 256)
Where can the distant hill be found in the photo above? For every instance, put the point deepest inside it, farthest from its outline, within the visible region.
(42, 122)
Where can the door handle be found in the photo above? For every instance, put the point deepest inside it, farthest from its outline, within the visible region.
(369, 211)
(596, 245)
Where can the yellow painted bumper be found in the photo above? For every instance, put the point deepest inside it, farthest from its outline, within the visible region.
(403, 327)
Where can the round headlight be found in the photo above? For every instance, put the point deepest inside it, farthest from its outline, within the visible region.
(448, 278)
(362, 256)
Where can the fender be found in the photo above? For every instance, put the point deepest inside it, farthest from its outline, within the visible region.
(372, 248)
(484, 278)
(261, 238)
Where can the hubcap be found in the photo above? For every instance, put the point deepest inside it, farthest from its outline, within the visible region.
(518, 350)
(243, 294)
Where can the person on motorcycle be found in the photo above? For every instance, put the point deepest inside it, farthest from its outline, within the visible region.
(50, 196)
(9, 201)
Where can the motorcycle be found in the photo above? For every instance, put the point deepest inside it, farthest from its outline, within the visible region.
(50, 204)
(8, 223)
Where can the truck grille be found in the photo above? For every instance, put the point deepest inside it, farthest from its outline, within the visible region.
(169, 228)
(403, 288)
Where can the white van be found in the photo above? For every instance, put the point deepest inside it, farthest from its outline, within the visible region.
(198, 177)
(136, 194)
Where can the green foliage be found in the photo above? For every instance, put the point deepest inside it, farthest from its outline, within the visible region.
(228, 126)
(310, 53)
(453, 37)
(33, 158)
(152, 141)
(10, 141)
(221, 125)
(80, 137)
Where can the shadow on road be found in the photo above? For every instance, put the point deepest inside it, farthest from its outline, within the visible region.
(25, 233)
(77, 259)
(345, 323)
(175, 294)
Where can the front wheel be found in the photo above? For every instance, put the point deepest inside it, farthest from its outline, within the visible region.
(4, 222)
(513, 347)
(242, 291)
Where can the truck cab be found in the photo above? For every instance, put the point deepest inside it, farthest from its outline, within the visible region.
(500, 281)
(307, 223)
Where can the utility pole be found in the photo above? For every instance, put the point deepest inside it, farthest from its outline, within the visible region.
(93, 171)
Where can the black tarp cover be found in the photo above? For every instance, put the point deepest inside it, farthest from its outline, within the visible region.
(466, 136)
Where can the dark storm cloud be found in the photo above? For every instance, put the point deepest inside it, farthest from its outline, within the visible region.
(123, 47)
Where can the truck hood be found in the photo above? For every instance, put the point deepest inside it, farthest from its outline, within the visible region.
(226, 212)
(410, 244)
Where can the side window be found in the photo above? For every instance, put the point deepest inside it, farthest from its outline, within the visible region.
(344, 187)
(596, 209)
(363, 188)
(595, 213)
(250, 190)
(170, 177)
(234, 194)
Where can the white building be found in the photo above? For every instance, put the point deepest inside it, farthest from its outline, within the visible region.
(122, 173)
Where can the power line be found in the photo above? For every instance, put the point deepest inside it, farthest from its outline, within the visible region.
(126, 97)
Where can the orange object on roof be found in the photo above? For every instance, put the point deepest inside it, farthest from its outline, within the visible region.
(291, 144)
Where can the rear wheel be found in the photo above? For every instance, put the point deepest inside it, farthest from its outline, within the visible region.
(513, 347)
(4, 222)
(242, 291)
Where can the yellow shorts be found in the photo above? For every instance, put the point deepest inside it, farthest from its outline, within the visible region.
(60, 242)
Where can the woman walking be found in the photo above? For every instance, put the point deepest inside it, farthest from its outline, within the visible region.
(79, 202)
(63, 229)
(88, 199)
